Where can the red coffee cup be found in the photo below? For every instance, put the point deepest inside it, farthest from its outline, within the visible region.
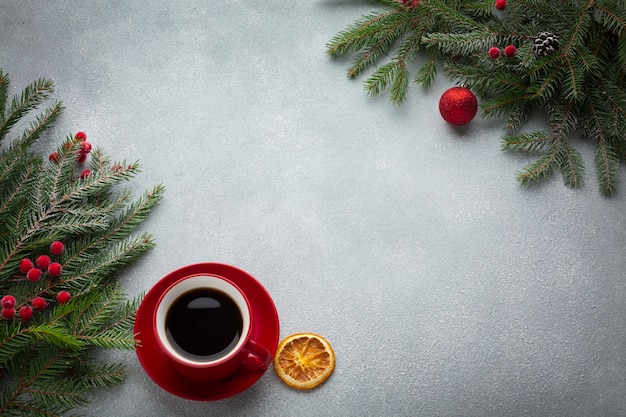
(203, 325)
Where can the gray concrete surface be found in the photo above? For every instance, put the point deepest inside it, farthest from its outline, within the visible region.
(445, 288)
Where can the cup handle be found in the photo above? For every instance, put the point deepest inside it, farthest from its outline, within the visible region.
(256, 357)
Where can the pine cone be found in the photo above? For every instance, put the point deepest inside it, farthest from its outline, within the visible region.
(545, 44)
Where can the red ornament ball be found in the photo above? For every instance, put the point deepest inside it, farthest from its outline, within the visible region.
(500, 4)
(26, 313)
(63, 297)
(80, 136)
(85, 174)
(25, 265)
(54, 270)
(56, 247)
(8, 301)
(458, 105)
(39, 303)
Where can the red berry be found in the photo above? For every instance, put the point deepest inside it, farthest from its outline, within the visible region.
(81, 157)
(494, 52)
(25, 265)
(34, 274)
(54, 270)
(500, 4)
(54, 157)
(510, 51)
(8, 313)
(80, 136)
(85, 147)
(39, 303)
(63, 297)
(85, 174)
(8, 301)
(26, 313)
(56, 247)
(43, 261)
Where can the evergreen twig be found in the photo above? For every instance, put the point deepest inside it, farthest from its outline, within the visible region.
(47, 366)
(580, 86)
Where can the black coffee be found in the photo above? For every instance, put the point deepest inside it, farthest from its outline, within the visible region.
(203, 324)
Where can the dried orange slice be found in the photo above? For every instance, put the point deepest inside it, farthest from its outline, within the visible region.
(304, 360)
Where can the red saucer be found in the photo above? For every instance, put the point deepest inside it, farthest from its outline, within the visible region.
(265, 330)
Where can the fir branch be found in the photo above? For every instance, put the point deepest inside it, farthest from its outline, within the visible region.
(507, 104)
(40, 368)
(61, 393)
(13, 340)
(55, 334)
(107, 320)
(4, 92)
(13, 161)
(89, 251)
(91, 376)
(373, 53)
(546, 78)
(607, 163)
(399, 85)
(539, 10)
(46, 360)
(358, 34)
(539, 169)
(395, 73)
(87, 276)
(571, 164)
(32, 96)
(454, 19)
(13, 196)
(612, 16)
(461, 43)
(41, 123)
(428, 70)
(517, 117)
(527, 142)
(599, 122)
(583, 67)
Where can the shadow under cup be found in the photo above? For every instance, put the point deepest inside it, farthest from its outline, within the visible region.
(203, 324)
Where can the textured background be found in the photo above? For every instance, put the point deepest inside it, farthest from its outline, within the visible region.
(445, 288)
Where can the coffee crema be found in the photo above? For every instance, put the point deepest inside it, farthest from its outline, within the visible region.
(203, 324)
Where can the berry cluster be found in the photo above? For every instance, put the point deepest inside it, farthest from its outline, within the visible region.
(33, 272)
(85, 147)
(83, 152)
(509, 51)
